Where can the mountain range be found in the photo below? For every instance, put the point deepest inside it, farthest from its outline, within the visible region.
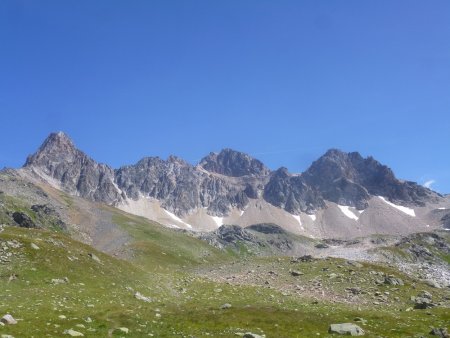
(341, 194)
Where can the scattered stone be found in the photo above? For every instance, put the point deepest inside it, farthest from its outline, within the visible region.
(432, 283)
(296, 273)
(440, 332)
(73, 333)
(124, 330)
(252, 335)
(23, 220)
(139, 296)
(64, 280)
(8, 319)
(355, 290)
(34, 246)
(62, 317)
(225, 306)
(322, 246)
(423, 300)
(94, 257)
(6, 336)
(348, 329)
(355, 264)
(391, 280)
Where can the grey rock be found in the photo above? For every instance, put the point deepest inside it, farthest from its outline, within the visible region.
(94, 257)
(252, 335)
(73, 333)
(296, 273)
(8, 320)
(348, 329)
(267, 228)
(233, 163)
(391, 280)
(23, 220)
(225, 306)
(77, 173)
(140, 296)
(432, 283)
(440, 332)
(64, 280)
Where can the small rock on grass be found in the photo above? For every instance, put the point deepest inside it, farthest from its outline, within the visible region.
(347, 329)
(140, 296)
(8, 319)
(34, 246)
(252, 335)
(225, 306)
(73, 333)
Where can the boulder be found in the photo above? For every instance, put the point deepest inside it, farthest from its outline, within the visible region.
(348, 329)
(391, 280)
(140, 296)
(73, 333)
(8, 319)
(23, 220)
(440, 332)
(252, 335)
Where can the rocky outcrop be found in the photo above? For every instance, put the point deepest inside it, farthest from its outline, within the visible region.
(349, 179)
(181, 187)
(290, 192)
(233, 163)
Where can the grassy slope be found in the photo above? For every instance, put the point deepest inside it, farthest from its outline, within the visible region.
(188, 305)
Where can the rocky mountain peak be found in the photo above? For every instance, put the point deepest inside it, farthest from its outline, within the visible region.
(233, 163)
(350, 179)
(72, 170)
(56, 145)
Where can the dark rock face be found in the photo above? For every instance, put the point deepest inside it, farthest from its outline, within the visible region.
(75, 171)
(233, 163)
(182, 187)
(446, 221)
(291, 193)
(228, 235)
(267, 228)
(350, 179)
(23, 220)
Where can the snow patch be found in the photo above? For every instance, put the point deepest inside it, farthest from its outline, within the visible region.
(297, 218)
(347, 212)
(313, 217)
(176, 218)
(442, 208)
(241, 212)
(217, 220)
(403, 209)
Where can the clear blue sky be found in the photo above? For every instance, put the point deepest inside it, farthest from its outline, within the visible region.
(281, 80)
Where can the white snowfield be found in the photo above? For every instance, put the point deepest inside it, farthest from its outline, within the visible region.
(217, 220)
(442, 208)
(347, 212)
(406, 210)
(178, 219)
(297, 217)
(313, 217)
